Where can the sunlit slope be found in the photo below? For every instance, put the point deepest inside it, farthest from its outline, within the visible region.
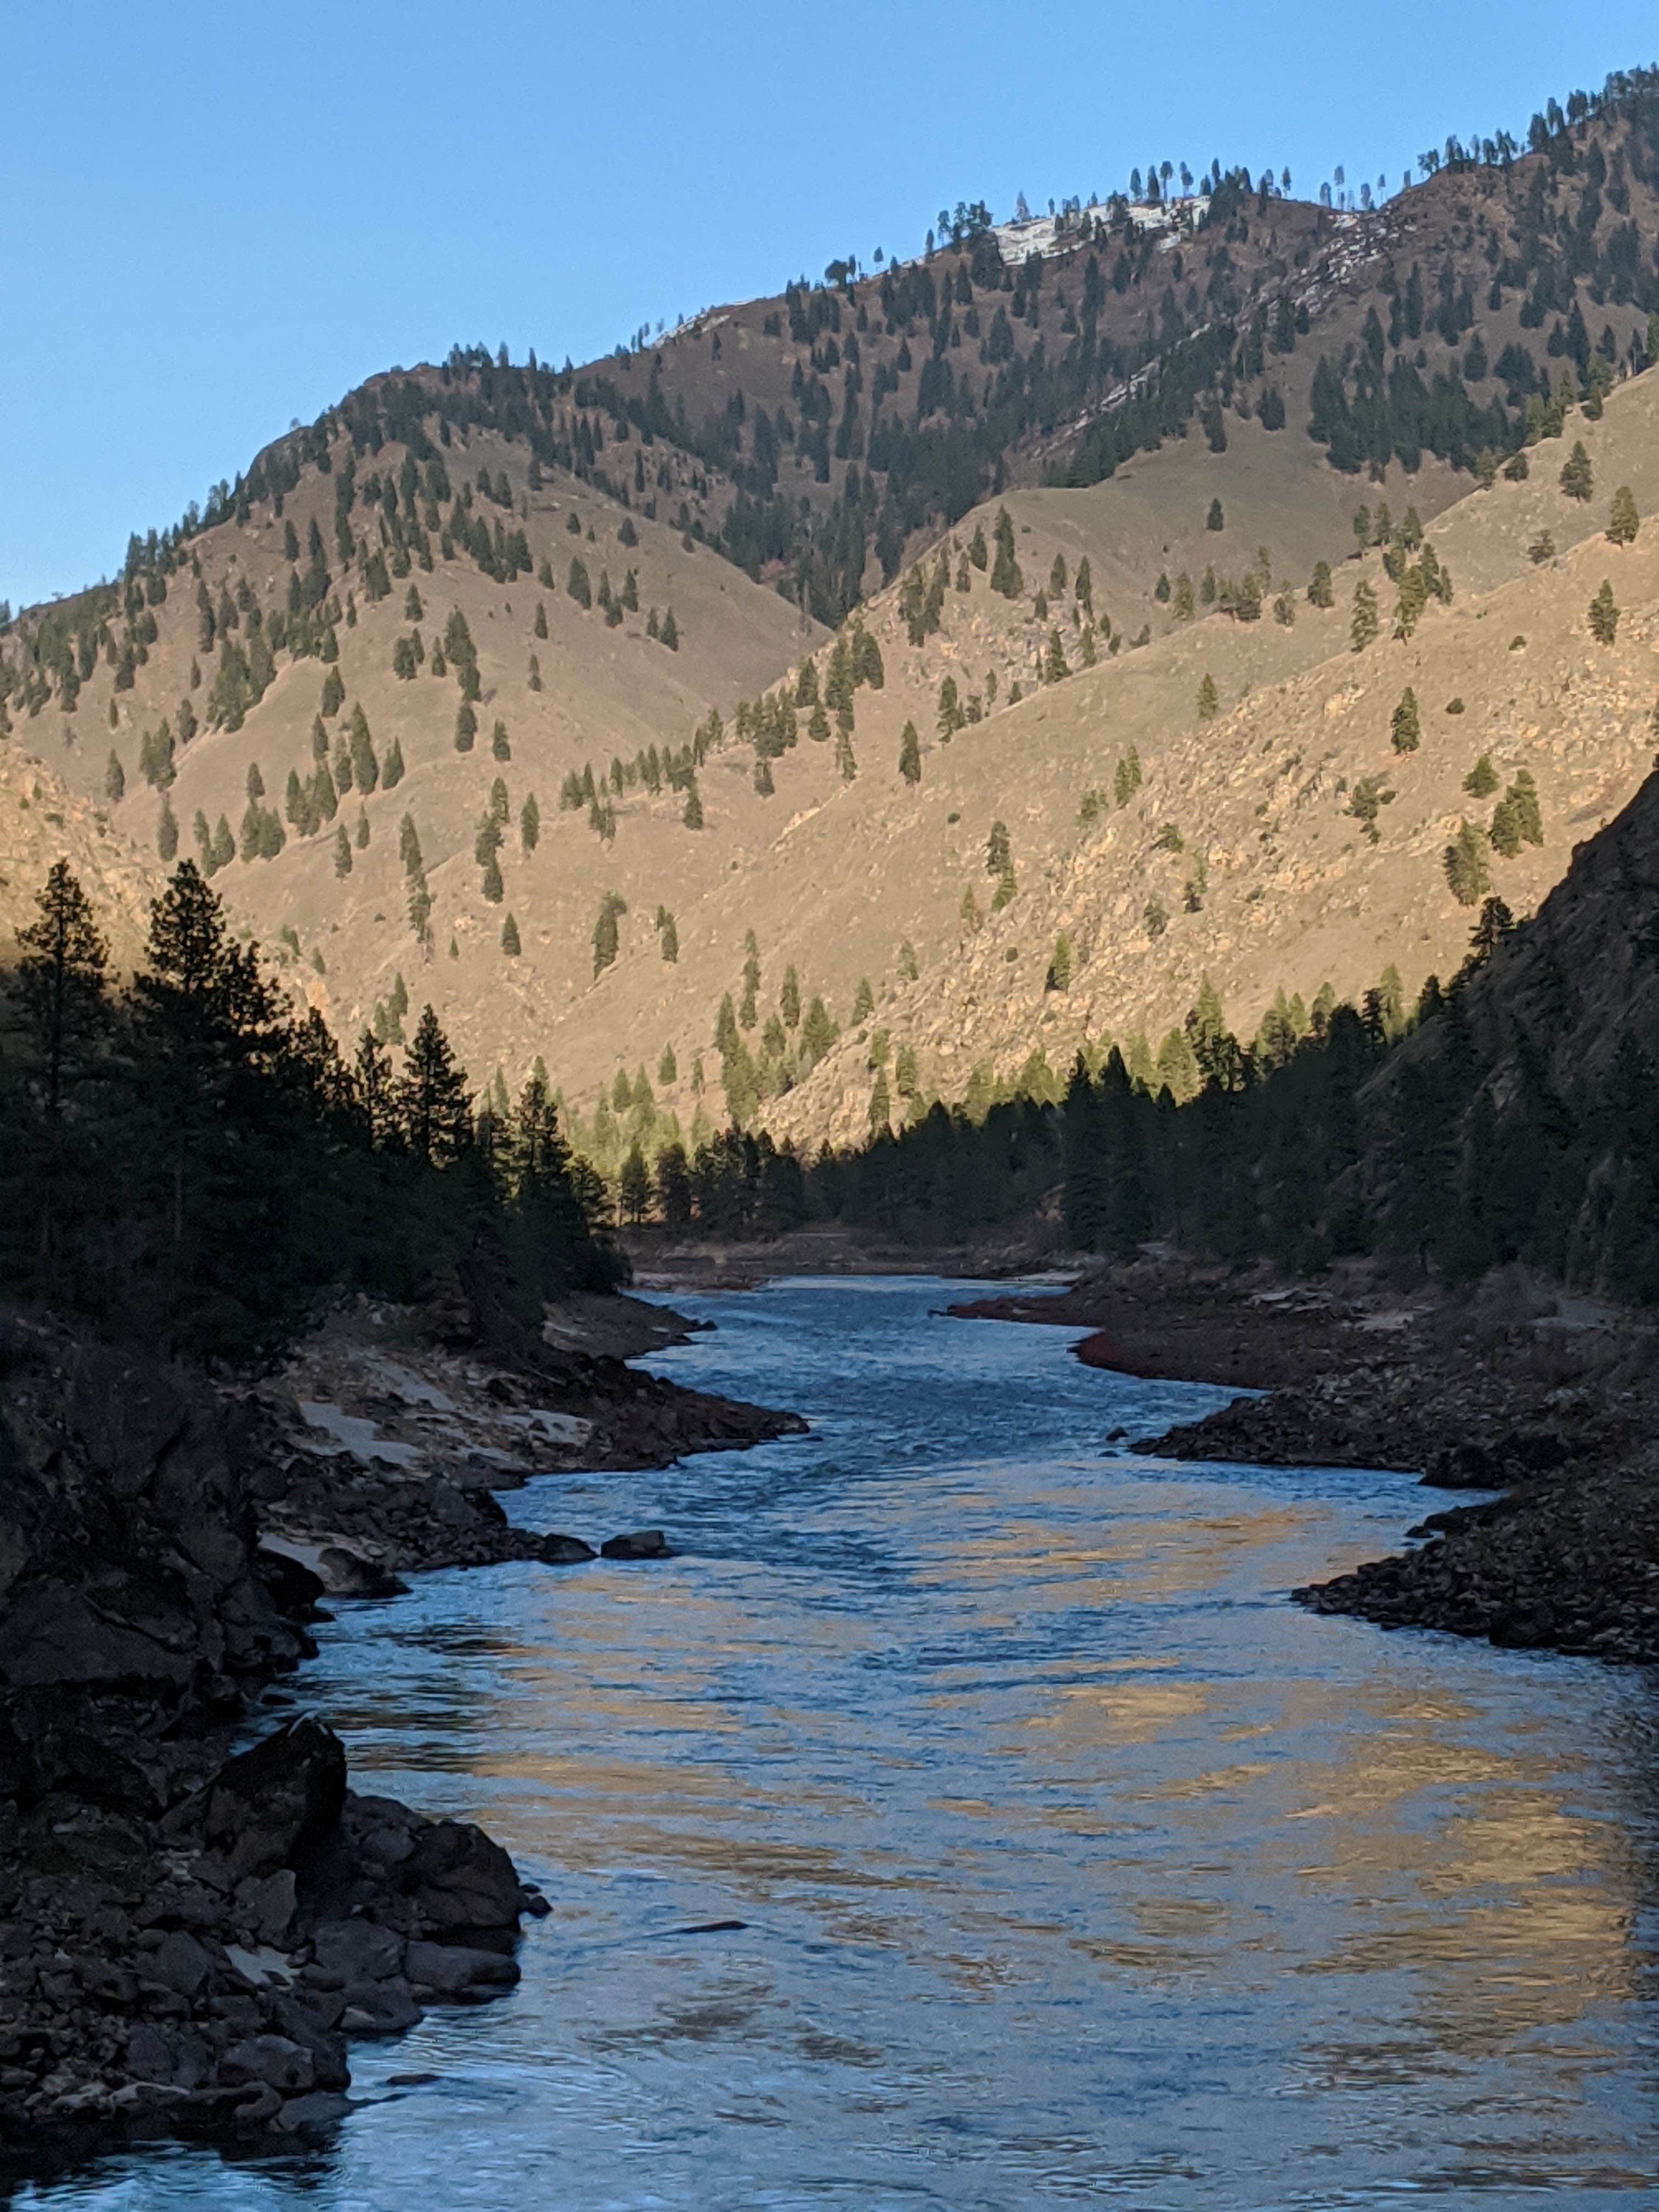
(1289, 891)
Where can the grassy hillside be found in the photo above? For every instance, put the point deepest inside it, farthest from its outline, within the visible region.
(427, 563)
(1275, 882)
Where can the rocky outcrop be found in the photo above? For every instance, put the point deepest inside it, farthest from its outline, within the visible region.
(1509, 1386)
(1568, 1566)
(197, 1963)
(188, 1933)
(378, 1444)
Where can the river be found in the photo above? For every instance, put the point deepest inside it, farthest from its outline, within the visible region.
(1075, 1865)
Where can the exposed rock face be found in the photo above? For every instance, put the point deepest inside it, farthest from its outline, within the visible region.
(189, 1932)
(380, 1450)
(186, 1938)
(1572, 1567)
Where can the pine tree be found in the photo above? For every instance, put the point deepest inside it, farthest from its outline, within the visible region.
(342, 851)
(529, 824)
(1528, 814)
(910, 759)
(1363, 629)
(606, 938)
(1005, 576)
(1054, 668)
(692, 816)
(500, 745)
(1406, 727)
(864, 1001)
(540, 626)
(333, 694)
(1209, 701)
(671, 631)
(363, 832)
(789, 999)
(1604, 616)
(1505, 832)
(998, 851)
(668, 1072)
(466, 728)
(1320, 593)
(634, 1187)
(1623, 519)
(391, 768)
(1496, 923)
(1577, 477)
(1482, 779)
(845, 761)
(167, 832)
(115, 779)
(61, 983)
(1215, 520)
(510, 938)
(365, 767)
(576, 583)
(952, 718)
(668, 936)
(1469, 872)
(1058, 977)
(434, 1107)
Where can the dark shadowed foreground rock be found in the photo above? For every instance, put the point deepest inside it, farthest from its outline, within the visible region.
(188, 1933)
(192, 1927)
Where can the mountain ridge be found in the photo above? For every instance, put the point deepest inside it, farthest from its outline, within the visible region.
(498, 548)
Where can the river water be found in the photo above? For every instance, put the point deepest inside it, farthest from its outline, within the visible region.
(1075, 1866)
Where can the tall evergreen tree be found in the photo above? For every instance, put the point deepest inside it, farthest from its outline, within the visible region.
(1623, 519)
(61, 983)
(1406, 726)
(434, 1108)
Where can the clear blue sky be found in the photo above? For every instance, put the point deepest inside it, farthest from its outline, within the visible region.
(219, 218)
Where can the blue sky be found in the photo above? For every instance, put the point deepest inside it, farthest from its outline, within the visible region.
(214, 219)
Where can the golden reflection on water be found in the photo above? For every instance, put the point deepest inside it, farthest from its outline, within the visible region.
(1403, 1843)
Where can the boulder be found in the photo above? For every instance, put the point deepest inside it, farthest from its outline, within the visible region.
(640, 1544)
(457, 1973)
(274, 1806)
(181, 1963)
(347, 1574)
(286, 2066)
(295, 1591)
(378, 2008)
(459, 1878)
(348, 1952)
(557, 1551)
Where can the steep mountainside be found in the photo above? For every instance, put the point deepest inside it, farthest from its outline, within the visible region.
(360, 687)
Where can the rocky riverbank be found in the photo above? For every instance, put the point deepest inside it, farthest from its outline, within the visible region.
(1552, 1401)
(190, 1934)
